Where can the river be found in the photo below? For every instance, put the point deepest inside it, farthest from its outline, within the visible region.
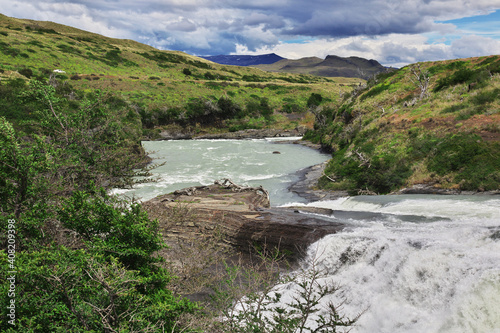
(246, 162)
(410, 263)
(415, 263)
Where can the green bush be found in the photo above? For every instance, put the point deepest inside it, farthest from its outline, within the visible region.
(209, 76)
(378, 89)
(362, 169)
(106, 225)
(63, 290)
(314, 100)
(85, 261)
(486, 97)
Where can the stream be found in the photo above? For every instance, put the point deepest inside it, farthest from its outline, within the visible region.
(409, 263)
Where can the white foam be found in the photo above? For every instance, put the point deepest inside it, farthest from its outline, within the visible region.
(441, 276)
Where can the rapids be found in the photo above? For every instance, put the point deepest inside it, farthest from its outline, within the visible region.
(423, 263)
(408, 263)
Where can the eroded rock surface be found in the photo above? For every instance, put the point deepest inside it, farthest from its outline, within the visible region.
(241, 215)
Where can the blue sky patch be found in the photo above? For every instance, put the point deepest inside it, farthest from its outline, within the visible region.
(484, 25)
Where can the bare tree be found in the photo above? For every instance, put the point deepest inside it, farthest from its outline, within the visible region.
(421, 79)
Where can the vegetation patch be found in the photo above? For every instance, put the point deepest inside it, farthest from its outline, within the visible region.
(389, 135)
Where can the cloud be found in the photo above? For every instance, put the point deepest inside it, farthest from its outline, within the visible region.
(396, 50)
(391, 31)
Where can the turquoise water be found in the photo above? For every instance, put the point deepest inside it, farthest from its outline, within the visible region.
(246, 162)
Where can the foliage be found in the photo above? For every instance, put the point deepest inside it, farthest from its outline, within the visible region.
(375, 91)
(383, 138)
(260, 299)
(478, 75)
(366, 170)
(85, 261)
(474, 163)
(107, 226)
(22, 170)
(314, 100)
(64, 290)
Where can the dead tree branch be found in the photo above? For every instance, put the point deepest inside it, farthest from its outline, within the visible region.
(365, 161)
(420, 79)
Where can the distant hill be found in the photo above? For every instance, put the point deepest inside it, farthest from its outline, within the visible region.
(245, 60)
(331, 66)
(165, 87)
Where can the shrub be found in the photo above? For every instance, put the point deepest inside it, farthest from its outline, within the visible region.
(58, 289)
(486, 97)
(209, 76)
(26, 72)
(314, 100)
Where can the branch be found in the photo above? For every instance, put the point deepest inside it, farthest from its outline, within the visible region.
(365, 161)
(55, 114)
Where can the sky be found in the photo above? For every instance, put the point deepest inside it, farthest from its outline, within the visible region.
(393, 32)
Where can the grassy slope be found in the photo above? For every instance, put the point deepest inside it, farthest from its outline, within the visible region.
(384, 138)
(332, 66)
(146, 76)
(300, 66)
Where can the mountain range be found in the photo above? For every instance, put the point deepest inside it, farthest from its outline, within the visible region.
(331, 66)
(245, 60)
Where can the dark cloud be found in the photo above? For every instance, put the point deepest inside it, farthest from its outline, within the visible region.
(207, 27)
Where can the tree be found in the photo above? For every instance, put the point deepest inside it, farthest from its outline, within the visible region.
(420, 79)
(255, 300)
(23, 169)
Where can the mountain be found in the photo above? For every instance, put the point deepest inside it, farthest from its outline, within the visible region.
(331, 66)
(244, 60)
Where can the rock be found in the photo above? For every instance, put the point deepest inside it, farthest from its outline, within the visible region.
(241, 214)
(308, 179)
(254, 134)
(175, 135)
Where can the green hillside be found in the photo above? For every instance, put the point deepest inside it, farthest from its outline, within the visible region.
(435, 124)
(165, 86)
(331, 66)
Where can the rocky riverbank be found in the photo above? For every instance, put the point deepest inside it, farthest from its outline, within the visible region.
(242, 216)
(178, 133)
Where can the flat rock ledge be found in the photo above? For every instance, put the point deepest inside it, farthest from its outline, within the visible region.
(241, 214)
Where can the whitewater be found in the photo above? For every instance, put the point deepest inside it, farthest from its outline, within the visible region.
(406, 263)
(418, 263)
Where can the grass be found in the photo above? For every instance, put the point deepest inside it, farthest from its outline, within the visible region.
(148, 77)
(385, 138)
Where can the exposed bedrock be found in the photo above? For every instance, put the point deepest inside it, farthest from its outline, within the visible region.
(241, 214)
